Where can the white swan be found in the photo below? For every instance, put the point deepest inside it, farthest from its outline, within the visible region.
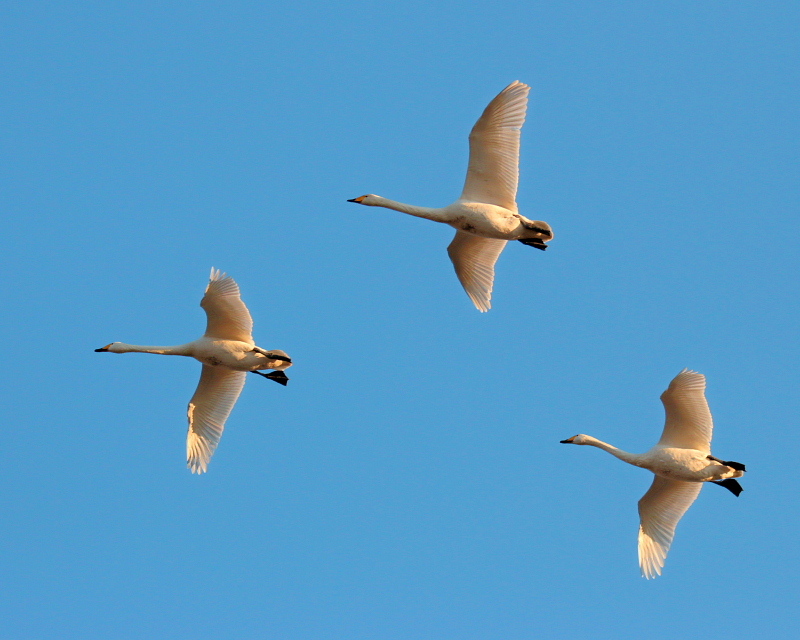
(681, 460)
(227, 352)
(486, 214)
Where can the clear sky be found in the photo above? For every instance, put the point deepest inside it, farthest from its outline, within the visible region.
(408, 484)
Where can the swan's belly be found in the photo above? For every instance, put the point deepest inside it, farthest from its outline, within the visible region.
(235, 355)
(690, 465)
(485, 220)
(232, 354)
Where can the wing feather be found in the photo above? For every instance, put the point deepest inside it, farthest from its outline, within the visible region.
(493, 170)
(660, 510)
(209, 408)
(688, 423)
(473, 258)
(228, 317)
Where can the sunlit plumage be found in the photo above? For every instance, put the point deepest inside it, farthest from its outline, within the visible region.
(682, 462)
(227, 352)
(486, 214)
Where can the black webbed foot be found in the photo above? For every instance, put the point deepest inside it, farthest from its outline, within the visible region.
(730, 484)
(534, 242)
(277, 376)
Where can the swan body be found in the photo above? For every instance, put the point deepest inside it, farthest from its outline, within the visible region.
(477, 218)
(681, 462)
(227, 352)
(486, 215)
(231, 354)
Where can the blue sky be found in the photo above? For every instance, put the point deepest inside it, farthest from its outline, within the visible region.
(408, 483)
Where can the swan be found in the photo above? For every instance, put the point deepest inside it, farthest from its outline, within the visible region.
(485, 216)
(227, 352)
(681, 462)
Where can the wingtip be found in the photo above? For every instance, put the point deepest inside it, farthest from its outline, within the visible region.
(196, 464)
(688, 379)
(518, 85)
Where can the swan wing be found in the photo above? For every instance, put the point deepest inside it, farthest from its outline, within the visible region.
(689, 424)
(228, 317)
(660, 510)
(473, 258)
(494, 149)
(209, 408)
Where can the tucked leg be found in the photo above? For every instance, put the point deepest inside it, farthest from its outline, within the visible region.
(531, 224)
(272, 355)
(728, 463)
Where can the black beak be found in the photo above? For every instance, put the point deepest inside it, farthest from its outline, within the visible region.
(566, 441)
(101, 349)
(353, 200)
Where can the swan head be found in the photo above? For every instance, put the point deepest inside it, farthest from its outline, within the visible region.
(371, 200)
(579, 439)
(113, 347)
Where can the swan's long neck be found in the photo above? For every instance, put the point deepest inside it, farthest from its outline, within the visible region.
(630, 458)
(438, 215)
(178, 350)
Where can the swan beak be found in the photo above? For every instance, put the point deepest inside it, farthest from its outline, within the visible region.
(567, 441)
(102, 348)
(357, 200)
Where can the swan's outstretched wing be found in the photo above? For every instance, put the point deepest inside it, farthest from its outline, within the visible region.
(660, 509)
(688, 424)
(474, 258)
(209, 408)
(228, 317)
(494, 149)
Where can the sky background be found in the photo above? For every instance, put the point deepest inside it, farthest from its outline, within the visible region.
(409, 483)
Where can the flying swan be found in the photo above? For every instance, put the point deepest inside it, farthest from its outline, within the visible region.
(227, 352)
(681, 460)
(486, 214)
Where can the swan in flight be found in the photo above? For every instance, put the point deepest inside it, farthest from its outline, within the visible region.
(227, 352)
(485, 216)
(681, 462)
